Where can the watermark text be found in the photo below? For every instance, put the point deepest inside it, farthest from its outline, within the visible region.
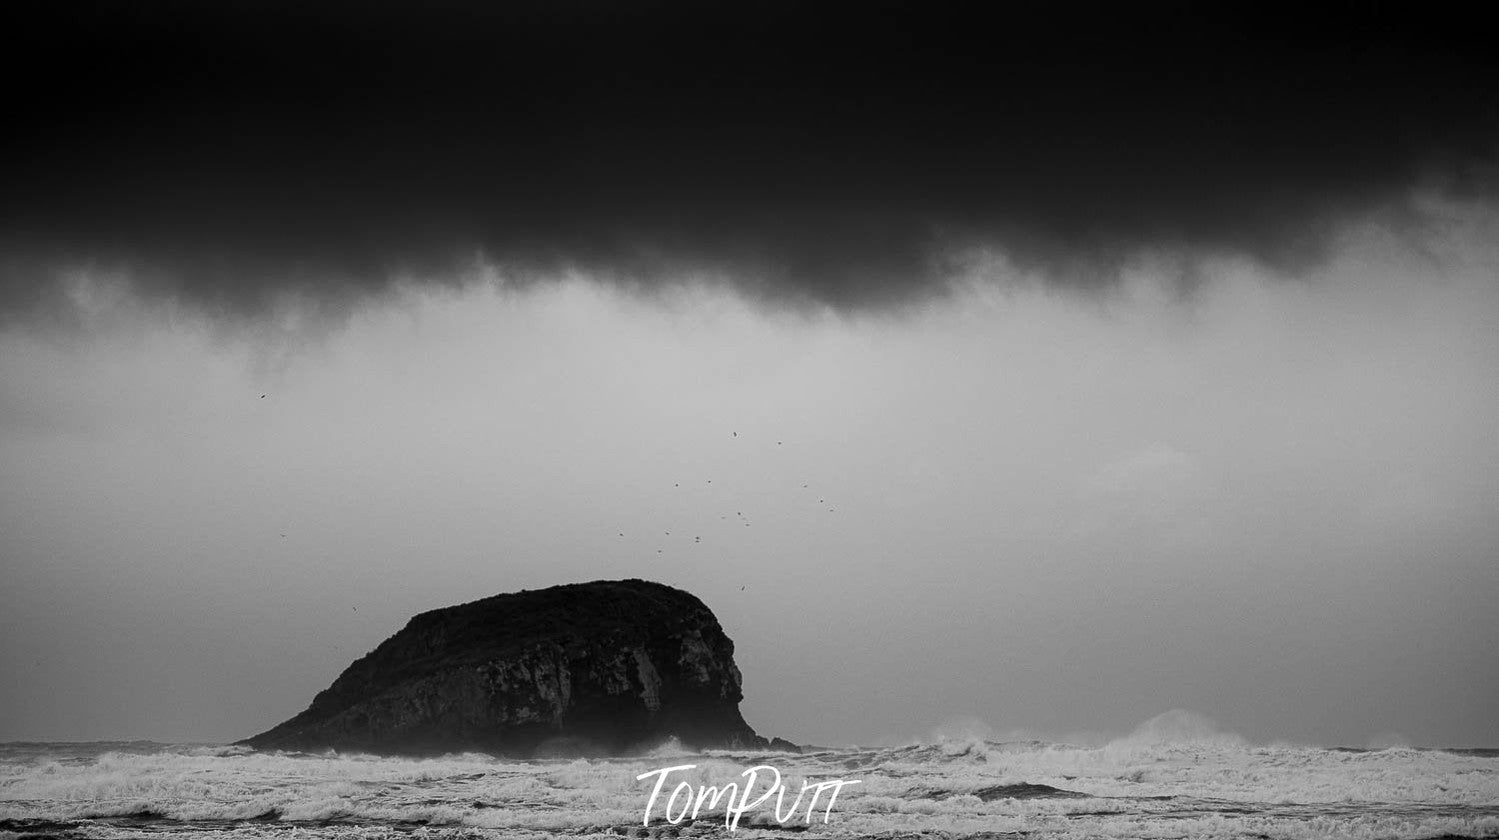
(689, 801)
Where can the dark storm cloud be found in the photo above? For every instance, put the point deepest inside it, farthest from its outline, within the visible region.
(228, 152)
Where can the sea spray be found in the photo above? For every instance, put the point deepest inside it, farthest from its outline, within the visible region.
(1152, 788)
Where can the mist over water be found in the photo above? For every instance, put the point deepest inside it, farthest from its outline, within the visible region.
(1266, 500)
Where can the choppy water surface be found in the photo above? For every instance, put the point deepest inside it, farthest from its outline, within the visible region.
(973, 789)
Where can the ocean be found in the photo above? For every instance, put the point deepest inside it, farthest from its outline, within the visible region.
(954, 789)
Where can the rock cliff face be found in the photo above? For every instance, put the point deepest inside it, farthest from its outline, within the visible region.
(585, 669)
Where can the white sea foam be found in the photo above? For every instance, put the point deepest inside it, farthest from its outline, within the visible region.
(1175, 776)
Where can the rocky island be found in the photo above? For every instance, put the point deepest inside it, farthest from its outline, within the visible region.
(600, 668)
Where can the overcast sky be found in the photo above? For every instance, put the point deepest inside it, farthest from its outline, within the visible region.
(1015, 381)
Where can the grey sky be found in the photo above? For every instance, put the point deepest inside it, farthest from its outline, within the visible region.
(1270, 501)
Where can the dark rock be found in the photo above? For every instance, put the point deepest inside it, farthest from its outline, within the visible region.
(598, 668)
(783, 745)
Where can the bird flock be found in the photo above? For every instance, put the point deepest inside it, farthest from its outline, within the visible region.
(693, 537)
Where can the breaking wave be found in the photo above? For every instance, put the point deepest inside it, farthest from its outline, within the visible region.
(1175, 776)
